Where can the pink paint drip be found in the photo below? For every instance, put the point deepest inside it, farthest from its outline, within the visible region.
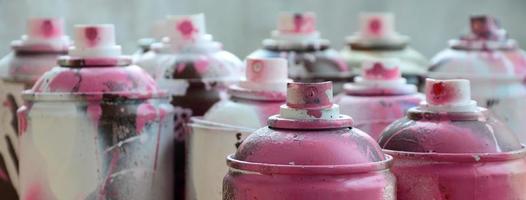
(146, 113)
(201, 65)
(94, 112)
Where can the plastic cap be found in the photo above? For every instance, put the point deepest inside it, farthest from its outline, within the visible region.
(45, 28)
(186, 27)
(266, 70)
(376, 25)
(95, 41)
(297, 23)
(449, 95)
(486, 27)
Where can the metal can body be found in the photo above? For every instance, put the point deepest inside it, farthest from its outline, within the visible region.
(98, 128)
(217, 135)
(311, 64)
(196, 79)
(464, 176)
(252, 181)
(413, 65)
(373, 113)
(496, 81)
(19, 70)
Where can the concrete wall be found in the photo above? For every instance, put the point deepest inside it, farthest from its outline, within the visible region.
(242, 24)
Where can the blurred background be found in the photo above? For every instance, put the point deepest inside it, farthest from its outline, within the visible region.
(241, 24)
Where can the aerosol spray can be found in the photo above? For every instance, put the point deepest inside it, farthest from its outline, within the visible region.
(311, 59)
(378, 39)
(309, 151)
(196, 72)
(495, 66)
(220, 131)
(448, 148)
(35, 53)
(378, 97)
(96, 127)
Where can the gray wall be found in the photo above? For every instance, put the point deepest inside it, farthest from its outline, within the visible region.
(242, 24)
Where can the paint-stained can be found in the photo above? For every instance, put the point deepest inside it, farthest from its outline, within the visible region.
(378, 39)
(495, 66)
(378, 97)
(221, 130)
(449, 148)
(310, 57)
(96, 127)
(35, 53)
(309, 151)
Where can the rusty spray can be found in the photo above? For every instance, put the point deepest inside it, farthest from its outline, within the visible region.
(96, 127)
(196, 72)
(494, 65)
(449, 148)
(309, 151)
(220, 131)
(378, 97)
(35, 53)
(378, 39)
(311, 59)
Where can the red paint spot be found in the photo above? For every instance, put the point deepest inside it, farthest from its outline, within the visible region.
(34, 192)
(186, 28)
(92, 34)
(441, 93)
(380, 72)
(375, 26)
(48, 29)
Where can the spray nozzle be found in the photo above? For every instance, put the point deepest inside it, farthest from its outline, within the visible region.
(449, 95)
(95, 41)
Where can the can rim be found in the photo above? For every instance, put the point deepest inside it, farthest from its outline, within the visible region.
(265, 168)
(459, 157)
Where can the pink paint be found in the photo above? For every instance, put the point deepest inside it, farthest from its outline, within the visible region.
(49, 30)
(303, 23)
(201, 65)
(94, 112)
(380, 72)
(34, 193)
(375, 26)
(180, 67)
(441, 93)
(146, 114)
(186, 28)
(22, 118)
(92, 36)
(314, 96)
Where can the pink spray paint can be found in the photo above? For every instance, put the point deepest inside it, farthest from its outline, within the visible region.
(378, 97)
(196, 72)
(96, 127)
(34, 54)
(309, 151)
(220, 131)
(378, 39)
(448, 148)
(494, 65)
(310, 57)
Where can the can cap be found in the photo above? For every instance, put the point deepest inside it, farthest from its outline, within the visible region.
(187, 28)
(380, 77)
(266, 79)
(377, 28)
(44, 33)
(309, 105)
(296, 26)
(95, 41)
(486, 27)
(449, 95)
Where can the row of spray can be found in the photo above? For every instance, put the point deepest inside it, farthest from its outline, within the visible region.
(100, 127)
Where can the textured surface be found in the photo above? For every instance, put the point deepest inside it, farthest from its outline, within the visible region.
(241, 25)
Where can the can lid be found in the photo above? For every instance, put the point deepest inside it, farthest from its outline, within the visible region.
(377, 28)
(380, 77)
(449, 96)
(43, 33)
(266, 79)
(92, 41)
(187, 28)
(300, 26)
(310, 106)
(485, 32)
